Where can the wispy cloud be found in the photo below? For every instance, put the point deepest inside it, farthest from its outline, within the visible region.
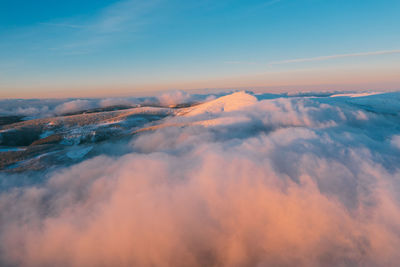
(238, 62)
(313, 59)
(272, 2)
(323, 58)
(66, 25)
(122, 14)
(110, 24)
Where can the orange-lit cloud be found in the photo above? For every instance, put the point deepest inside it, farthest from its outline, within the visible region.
(283, 182)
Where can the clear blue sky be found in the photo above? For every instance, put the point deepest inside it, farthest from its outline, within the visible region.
(56, 48)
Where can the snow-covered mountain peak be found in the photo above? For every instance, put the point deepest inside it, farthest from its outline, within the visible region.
(232, 102)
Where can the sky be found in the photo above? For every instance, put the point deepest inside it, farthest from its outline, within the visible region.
(118, 48)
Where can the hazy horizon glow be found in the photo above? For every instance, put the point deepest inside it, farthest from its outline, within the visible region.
(128, 47)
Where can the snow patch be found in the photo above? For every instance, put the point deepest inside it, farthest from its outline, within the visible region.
(46, 134)
(233, 102)
(7, 149)
(79, 153)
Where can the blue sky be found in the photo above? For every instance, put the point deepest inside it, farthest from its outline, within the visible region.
(71, 48)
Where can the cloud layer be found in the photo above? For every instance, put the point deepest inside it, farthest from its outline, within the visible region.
(41, 108)
(242, 180)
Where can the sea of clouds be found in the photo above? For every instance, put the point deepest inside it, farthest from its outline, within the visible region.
(242, 180)
(42, 108)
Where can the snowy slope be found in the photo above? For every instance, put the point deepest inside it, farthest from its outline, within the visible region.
(232, 102)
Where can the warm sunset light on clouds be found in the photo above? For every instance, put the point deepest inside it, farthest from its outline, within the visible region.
(240, 180)
(226, 133)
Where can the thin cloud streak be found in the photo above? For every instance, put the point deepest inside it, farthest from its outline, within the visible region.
(233, 62)
(323, 58)
(64, 25)
(110, 24)
(122, 15)
(272, 2)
